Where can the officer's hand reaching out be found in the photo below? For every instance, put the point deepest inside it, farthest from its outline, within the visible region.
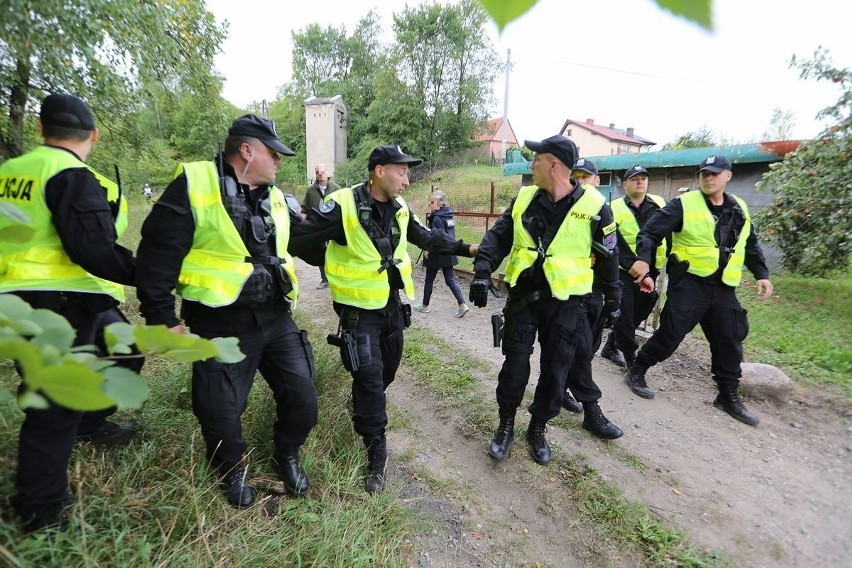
(764, 287)
(479, 292)
(647, 285)
(639, 271)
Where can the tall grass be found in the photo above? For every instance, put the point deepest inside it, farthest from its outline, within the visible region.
(154, 503)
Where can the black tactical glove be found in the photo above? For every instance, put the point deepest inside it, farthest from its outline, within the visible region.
(612, 311)
(479, 292)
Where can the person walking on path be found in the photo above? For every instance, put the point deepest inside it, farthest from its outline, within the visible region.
(440, 219)
(712, 240)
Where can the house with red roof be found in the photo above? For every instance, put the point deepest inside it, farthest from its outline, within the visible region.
(489, 143)
(597, 140)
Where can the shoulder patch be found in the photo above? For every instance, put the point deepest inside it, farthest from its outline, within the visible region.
(327, 206)
(609, 228)
(610, 241)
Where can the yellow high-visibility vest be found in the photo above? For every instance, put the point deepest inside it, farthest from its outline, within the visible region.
(696, 243)
(629, 227)
(215, 270)
(567, 264)
(353, 270)
(41, 262)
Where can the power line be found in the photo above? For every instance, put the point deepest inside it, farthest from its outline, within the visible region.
(624, 71)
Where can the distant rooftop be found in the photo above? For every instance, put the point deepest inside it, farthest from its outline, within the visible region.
(610, 133)
(759, 152)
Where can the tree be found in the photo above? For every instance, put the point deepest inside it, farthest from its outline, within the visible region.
(329, 61)
(701, 138)
(447, 68)
(811, 217)
(780, 125)
(101, 51)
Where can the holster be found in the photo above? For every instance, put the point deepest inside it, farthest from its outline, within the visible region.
(405, 311)
(348, 344)
(676, 268)
(497, 328)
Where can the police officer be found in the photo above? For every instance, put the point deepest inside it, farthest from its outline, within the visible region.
(368, 227)
(585, 172)
(711, 239)
(73, 267)
(547, 233)
(219, 235)
(631, 213)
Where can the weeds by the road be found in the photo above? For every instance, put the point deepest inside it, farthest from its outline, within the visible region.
(155, 504)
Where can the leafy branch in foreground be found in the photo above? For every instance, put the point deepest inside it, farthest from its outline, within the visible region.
(41, 342)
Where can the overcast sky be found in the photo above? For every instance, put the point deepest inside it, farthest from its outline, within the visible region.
(617, 61)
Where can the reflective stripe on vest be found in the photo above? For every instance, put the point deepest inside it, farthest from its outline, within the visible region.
(215, 270)
(629, 227)
(353, 270)
(567, 264)
(41, 262)
(696, 241)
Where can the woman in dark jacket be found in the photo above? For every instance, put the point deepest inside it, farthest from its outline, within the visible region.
(440, 219)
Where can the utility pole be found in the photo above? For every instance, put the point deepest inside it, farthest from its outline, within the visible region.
(505, 109)
(264, 106)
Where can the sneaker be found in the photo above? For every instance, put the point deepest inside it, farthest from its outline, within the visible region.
(110, 434)
(422, 309)
(463, 309)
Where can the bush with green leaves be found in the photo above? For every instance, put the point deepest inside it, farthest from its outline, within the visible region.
(810, 220)
(41, 343)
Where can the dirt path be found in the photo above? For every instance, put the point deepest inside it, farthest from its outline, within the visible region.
(779, 494)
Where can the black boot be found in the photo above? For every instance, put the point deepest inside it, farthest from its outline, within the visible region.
(110, 434)
(238, 492)
(570, 404)
(502, 438)
(595, 422)
(729, 401)
(636, 380)
(539, 447)
(610, 352)
(294, 476)
(377, 455)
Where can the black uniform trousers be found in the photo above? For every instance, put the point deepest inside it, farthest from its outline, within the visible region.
(274, 345)
(579, 379)
(47, 435)
(636, 306)
(714, 306)
(563, 334)
(380, 341)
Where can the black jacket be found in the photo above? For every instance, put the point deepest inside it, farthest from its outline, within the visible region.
(441, 220)
(497, 244)
(669, 220)
(326, 224)
(167, 236)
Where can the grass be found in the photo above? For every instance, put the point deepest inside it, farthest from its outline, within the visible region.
(804, 329)
(155, 504)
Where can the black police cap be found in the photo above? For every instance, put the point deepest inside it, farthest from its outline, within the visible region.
(67, 111)
(564, 149)
(263, 129)
(383, 155)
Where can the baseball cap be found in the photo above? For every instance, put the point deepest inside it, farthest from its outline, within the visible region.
(715, 164)
(635, 170)
(263, 129)
(382, 155)
(563, 148)
(67, 111)
(585, 165)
